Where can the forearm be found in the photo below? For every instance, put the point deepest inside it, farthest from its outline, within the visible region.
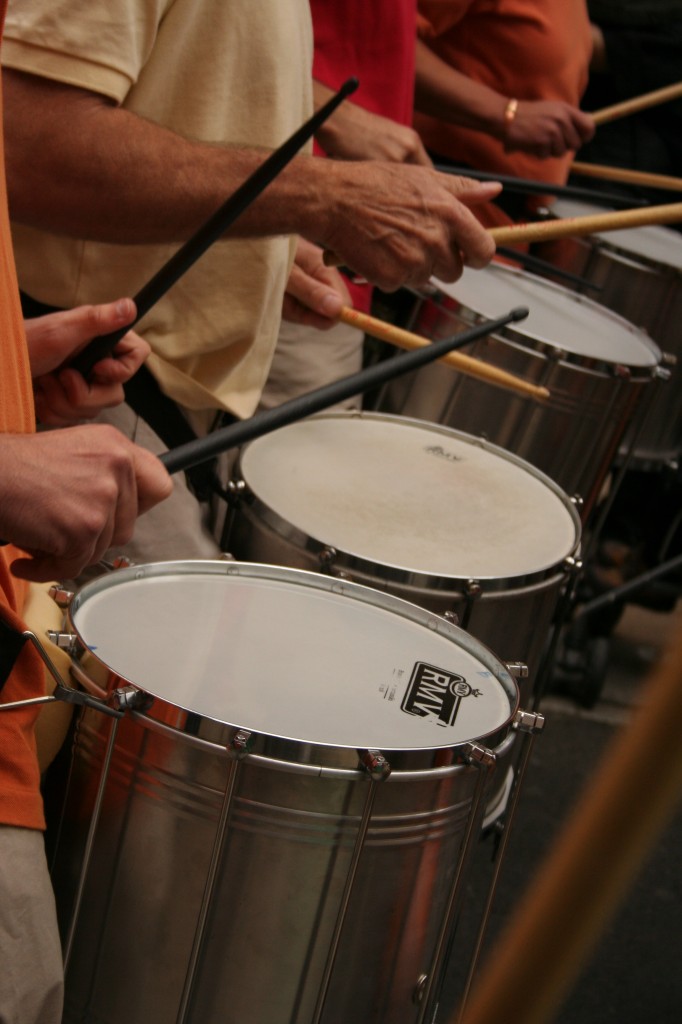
(447, 94)
(77, 165)
(82, 167)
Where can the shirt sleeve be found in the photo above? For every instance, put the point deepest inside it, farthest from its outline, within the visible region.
(100, 45)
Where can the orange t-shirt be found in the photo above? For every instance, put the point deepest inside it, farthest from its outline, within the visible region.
(20, 800)
(526, 49)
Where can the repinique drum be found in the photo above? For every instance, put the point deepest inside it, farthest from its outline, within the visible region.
(433, 515)
(279, 825)
(597, 367)
(639, 274)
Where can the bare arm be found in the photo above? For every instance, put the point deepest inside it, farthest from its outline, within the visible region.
(541, 127)
(80, 166)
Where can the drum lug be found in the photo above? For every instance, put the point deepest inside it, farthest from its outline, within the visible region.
(61, 596)
(122, 562)
(68, 642)
(475, 753)
(622, 372)
(452, 617)
(419, 989)
(235, 492)
(528, 721)
(240, 745)
(661, 372)
(517, 669)
(573, 565)
(375, 764)
(129, 698)
(473, 589)
(577, 500)
(326, 558)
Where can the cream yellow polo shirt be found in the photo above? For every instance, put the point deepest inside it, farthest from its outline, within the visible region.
(234, 71)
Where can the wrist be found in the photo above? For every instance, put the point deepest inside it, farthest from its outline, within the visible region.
(509, 115)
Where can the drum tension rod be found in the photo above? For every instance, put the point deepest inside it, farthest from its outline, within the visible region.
(129, 698)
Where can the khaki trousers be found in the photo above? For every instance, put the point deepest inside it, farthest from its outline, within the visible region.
(31, 979)
(306, 358)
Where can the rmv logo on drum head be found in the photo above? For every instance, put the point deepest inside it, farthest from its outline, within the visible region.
(436, 693)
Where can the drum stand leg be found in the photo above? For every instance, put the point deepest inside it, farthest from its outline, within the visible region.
(483, 759)
(612, 597)
(530, 725)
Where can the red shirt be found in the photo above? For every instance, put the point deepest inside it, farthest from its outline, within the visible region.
(525, 49)
(376, 43)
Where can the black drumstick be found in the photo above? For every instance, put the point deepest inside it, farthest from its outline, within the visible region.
(544, 267)
(185, 456)
(212, 229)
(545, 188)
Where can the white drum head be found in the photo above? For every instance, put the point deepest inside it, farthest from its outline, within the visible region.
(556, 316)
(651, 242)
(294, 655)
(410, 495)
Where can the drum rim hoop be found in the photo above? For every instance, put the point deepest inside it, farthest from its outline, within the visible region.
(254, 570)
(441, 584)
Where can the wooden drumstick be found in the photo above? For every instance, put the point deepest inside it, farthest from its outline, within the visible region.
(456, 360)
(637, 103)
(670, 213)
(596, 857)
(643, 178)
(590, 224)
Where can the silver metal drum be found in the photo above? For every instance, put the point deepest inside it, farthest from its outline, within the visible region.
(278, 828)
(430, 514)
(639, 274)
(597, 366)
